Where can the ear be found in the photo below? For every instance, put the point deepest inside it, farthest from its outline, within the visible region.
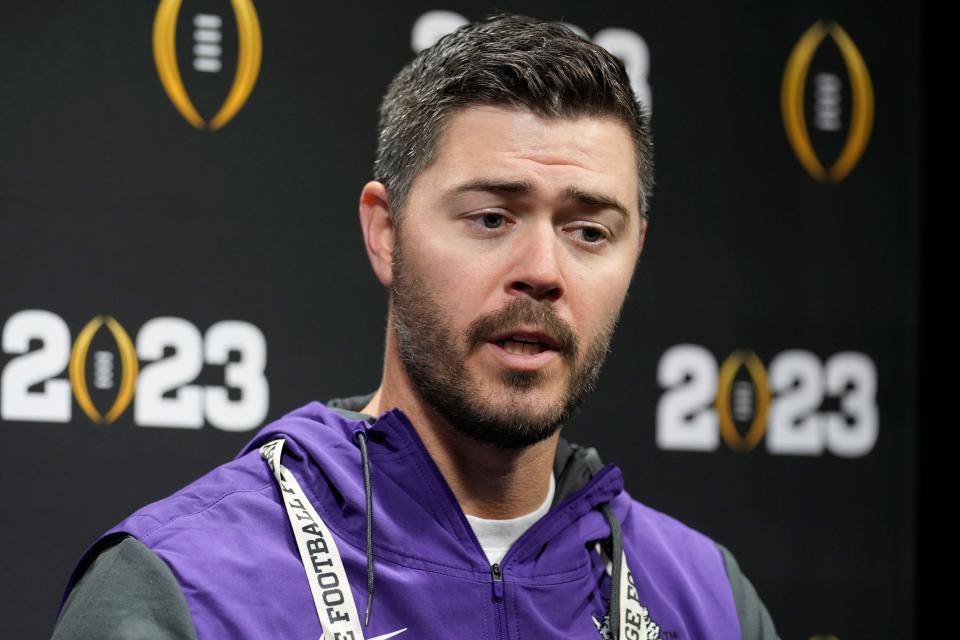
(379, 234)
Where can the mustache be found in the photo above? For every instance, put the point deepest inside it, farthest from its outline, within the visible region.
(527, 312)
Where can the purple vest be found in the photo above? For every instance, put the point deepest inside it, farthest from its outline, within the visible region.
(227, 539)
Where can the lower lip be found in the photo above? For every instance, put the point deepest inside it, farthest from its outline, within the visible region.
(522, 361)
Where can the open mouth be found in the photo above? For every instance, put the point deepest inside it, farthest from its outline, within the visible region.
(521, 346)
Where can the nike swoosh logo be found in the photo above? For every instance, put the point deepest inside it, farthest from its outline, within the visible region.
(384, 636)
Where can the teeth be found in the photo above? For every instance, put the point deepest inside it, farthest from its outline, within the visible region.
(528, 348)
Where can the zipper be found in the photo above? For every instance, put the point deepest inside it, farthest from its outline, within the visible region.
(551, 515)
(497, 573)
(496, 569)
(411, 434)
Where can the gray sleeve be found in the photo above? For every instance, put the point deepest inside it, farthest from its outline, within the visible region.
(127, 593)
(755, 621)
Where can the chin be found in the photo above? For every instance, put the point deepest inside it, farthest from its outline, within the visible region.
(532, 410)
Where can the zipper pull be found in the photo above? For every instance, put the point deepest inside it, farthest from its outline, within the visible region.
(497, 581)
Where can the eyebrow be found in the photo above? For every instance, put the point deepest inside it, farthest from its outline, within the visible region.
(522, 187)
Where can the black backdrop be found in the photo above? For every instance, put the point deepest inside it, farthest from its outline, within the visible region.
(115, 206)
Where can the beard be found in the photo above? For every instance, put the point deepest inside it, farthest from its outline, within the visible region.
(433, 354)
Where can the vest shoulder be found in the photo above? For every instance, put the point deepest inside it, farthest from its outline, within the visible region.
(243, 476)
(217, 490)
(652, 526)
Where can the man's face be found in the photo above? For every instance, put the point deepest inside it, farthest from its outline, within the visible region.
(516, 230)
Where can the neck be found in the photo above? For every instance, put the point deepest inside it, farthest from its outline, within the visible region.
(488, 482)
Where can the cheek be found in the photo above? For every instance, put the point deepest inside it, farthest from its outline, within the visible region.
(455, 282)
(601, 295)
(456, 265)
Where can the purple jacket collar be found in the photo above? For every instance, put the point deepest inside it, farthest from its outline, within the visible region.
(406, 477)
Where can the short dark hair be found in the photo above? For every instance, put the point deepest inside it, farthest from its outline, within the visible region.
(506, 60)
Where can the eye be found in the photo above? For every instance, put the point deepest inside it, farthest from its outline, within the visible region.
(491, 220)
(593, 235)
(488, 221)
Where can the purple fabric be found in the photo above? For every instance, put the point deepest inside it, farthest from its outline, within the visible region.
(228, 542)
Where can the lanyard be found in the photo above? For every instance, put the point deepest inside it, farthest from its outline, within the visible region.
(318, 551)
(633, 615)
(635, 622)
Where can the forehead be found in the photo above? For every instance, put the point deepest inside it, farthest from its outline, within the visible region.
(508, 144)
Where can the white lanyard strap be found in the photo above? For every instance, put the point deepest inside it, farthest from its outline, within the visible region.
(318, 551)
(633, 615)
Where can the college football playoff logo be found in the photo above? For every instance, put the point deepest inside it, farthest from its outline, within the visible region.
(206, 50)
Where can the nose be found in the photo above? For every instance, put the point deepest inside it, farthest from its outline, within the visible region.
(537, 269)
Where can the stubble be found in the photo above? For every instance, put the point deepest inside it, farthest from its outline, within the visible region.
(433, 354)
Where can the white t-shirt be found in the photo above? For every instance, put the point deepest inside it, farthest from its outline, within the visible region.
(496, 536)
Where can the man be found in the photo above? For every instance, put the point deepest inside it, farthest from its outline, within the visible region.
(514, 171)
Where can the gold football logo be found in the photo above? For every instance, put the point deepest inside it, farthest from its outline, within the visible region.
(758, 376)
(78, 376)
(250, 47)
(792, 93)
